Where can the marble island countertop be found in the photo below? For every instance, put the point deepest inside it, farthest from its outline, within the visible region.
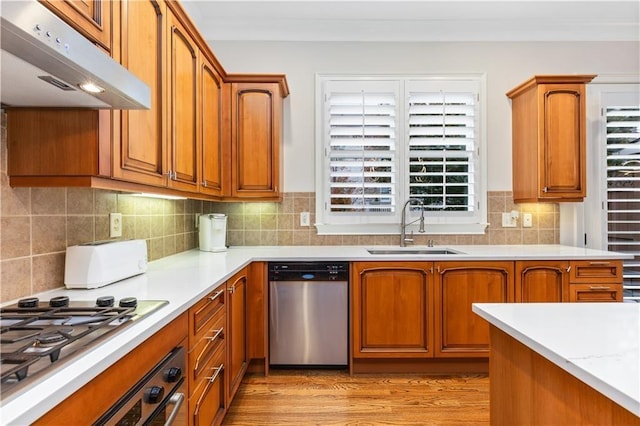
(598, 343)
(184, 278)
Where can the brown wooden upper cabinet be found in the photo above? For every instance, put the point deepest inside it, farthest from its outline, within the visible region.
(256, 121)
(207, 135)
(549, 138)
(92, 18)
(140, 140)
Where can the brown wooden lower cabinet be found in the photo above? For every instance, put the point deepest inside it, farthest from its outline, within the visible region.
(459, 332)
(237, 361)
(605, 292)
(207, 403)
(542, 281)
(596, 281)
(392, 309)
(207, 358)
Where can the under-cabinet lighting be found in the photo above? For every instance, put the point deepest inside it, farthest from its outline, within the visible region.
(162, 196)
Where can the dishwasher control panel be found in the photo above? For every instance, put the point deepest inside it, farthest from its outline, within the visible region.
(308, 271)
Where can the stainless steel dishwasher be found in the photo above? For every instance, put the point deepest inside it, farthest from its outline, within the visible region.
(309, 313)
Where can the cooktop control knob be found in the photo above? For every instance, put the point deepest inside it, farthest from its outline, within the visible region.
(59, 302)
(154, 394)
(173, 374)
(105, 301)
(128, 302)
(29, 302)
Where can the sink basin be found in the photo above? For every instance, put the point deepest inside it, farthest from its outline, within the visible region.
(411, 250)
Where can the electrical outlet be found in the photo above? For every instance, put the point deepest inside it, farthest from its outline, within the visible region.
(115, 225)
(305, 219)
(527, 220)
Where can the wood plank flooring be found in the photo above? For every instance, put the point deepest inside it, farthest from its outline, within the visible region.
(331, 397)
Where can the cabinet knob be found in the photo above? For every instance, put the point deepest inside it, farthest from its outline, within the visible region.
(173, 374)
(154, 394)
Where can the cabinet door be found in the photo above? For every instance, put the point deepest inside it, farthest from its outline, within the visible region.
(207, 403)
(140, 157)
(211, 128)
(183, 94)
(562, 136)
(255, 135)
(237, 338)
(542, 281)
(92, 18)
(460, 332)
(392, 310)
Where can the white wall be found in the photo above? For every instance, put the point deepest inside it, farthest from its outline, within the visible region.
(505, 64)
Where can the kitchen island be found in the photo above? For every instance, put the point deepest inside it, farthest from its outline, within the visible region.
(564, 363)
(184, 279)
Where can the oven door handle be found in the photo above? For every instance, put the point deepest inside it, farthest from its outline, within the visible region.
(176, 399)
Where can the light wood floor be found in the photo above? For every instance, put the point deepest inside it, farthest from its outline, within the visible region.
(329, 397)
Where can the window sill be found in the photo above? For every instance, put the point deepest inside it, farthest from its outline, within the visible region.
(394, 229)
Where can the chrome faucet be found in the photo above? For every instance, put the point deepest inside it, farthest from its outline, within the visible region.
(403, 224)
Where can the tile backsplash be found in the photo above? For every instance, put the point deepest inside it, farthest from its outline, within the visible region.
(256, 224)
(37, 224)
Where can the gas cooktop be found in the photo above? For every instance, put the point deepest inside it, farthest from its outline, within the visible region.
(37, 337)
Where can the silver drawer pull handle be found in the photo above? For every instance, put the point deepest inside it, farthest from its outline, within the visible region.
(599, 287)
(216, 374)
(215, 296)
(215, 336)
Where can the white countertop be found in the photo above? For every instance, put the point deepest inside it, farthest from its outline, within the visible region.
(598, 343)
(185, 278)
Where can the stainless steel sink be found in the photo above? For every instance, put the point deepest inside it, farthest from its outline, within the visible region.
(414, 250)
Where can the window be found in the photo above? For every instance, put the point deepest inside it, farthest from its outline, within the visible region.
(381, 141)
(623, 189)
(612, 210)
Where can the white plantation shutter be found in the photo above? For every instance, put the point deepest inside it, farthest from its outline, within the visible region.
(443, 139)
(381, 140)
(361, 153)
(623, 190)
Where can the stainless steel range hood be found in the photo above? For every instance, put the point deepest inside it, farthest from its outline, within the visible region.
(44, 61)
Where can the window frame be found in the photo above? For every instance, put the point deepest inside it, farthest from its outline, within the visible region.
(438, 222)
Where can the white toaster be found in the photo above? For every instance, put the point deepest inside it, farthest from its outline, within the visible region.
(97, 264)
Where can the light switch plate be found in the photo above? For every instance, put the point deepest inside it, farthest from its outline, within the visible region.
(304, 219)
(508, 221)
(115, 225)
(527, 220)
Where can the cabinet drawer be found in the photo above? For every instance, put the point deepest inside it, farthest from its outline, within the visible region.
(207, 402)
(203, 313)
(596, 292)
(589, 271)
(204, 349)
